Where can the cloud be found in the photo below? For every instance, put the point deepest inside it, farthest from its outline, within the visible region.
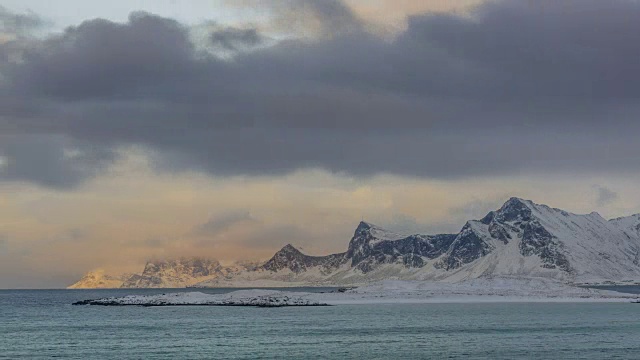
(394, 10)
(231, 39)
(450, 97)
(307, 18)
(604, 195)
(17, 33)
(19, 24)
(275, 237)
(404, 224)
(4, 162)
(242, 230)
(223, 222)
(51, 161)
(4, 241)
(156, 242)
(476, 209)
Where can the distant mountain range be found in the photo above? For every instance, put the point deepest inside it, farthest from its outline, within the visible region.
(521, 239)
(175, 273)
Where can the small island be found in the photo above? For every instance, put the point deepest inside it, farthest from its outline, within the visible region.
(251, 298)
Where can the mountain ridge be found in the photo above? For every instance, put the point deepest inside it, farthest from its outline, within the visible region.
(521, 239)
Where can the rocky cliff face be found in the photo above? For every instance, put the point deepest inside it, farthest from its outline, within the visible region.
(371, 246)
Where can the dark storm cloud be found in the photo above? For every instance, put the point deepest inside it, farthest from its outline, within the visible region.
(108, 61)
(50, 160)
(518, 87)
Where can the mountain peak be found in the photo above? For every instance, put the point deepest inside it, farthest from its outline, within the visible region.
(514, 209)
(517, 200)
(289, 249)
(376, 232)
(363, 226)
(288, 258)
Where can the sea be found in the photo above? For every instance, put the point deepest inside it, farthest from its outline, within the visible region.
(42, 324)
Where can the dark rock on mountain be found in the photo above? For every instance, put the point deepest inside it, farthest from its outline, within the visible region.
(514, 210)
(467, 246)
(537, 240)
(499, 232)
(371, 246)
(291, 258)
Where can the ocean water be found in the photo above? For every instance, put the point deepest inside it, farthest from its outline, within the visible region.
(38, 324)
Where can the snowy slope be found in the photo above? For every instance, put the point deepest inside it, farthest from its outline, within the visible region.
(595, 248)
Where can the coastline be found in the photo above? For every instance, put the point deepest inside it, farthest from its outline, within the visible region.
(390, 292)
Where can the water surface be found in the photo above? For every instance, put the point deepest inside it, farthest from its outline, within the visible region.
(43, 324)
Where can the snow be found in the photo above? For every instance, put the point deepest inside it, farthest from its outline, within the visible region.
(597, 249)
(630, 224)
(381, 234)
(503, 289)
(477, 290)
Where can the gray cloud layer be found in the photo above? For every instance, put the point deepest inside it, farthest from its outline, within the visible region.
(515, 88)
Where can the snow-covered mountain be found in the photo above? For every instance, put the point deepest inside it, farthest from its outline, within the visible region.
(521, 239)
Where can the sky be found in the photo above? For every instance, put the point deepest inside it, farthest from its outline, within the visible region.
(138, 130)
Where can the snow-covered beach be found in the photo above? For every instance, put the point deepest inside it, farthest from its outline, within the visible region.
(386, 292)
(254, 298)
